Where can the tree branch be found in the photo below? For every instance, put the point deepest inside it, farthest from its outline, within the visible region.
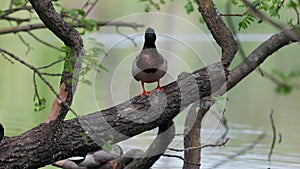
(13, 10)
(192, 130)
(71, 38)
(165, 135)
(219, 30)
(30, 27)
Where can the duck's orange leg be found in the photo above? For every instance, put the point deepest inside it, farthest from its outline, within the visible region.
(145, 93)
(159, 88)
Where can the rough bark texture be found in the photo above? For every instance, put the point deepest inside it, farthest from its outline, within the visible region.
(71, 38)
(48, 143)
(257, 57)
(192, 133)
(219, 30)
(165, 135)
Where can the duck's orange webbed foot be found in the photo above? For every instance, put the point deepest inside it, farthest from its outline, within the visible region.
(159, 88)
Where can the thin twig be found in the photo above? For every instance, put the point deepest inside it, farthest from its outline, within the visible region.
(200, 147)
(91, 7)
(30, 27)
(51, 64)
(23, 41)
(6, 58)
(36, 93)
(181, 158)
(13, 10)
(41, 77)
(11, 3)
(280, 5)
(236, 14)
(55, 74)
(19, 20)
(126, 36)
(274, 138)
(43, 42)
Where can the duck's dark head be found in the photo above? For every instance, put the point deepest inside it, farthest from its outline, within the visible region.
(1, 132)
(150, 38)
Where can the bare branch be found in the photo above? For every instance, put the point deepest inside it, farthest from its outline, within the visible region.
(219, 30)
(91, 4)
(51, 64)
(30, 27)
(127, 37)
(200, 147)
(181, 158)
(249, 64)
(43, 42)
(274, 138)
(18, 20)
(13, 10)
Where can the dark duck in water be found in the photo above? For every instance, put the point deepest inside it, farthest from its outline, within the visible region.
(149, 66)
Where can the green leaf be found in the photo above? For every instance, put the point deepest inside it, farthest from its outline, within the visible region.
(85, 138)
(89, 24)
(284, 89)
(19, 2)
(72, 13)
(189, 7)
(245, 22)
(108, 145)
(81, 12)
(39, 104)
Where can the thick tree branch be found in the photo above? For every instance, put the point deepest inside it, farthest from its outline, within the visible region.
(257, 57)
(192, 132)
(219, 30)
(71, 38)
(165, 135)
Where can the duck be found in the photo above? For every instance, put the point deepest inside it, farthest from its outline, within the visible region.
(1, 131)
(149, 66)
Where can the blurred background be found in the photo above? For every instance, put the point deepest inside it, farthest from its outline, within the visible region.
(187, 45)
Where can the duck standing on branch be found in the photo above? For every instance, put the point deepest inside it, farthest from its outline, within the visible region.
(149, 66)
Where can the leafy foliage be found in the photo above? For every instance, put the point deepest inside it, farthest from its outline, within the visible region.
(20, 2)
(153, 4)
(287, 80)
(91, 61)
(219, 101)
(39, 104)
(189, 7)
(108, 146)
(271, 7)
(245, 22)
(85, 138)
